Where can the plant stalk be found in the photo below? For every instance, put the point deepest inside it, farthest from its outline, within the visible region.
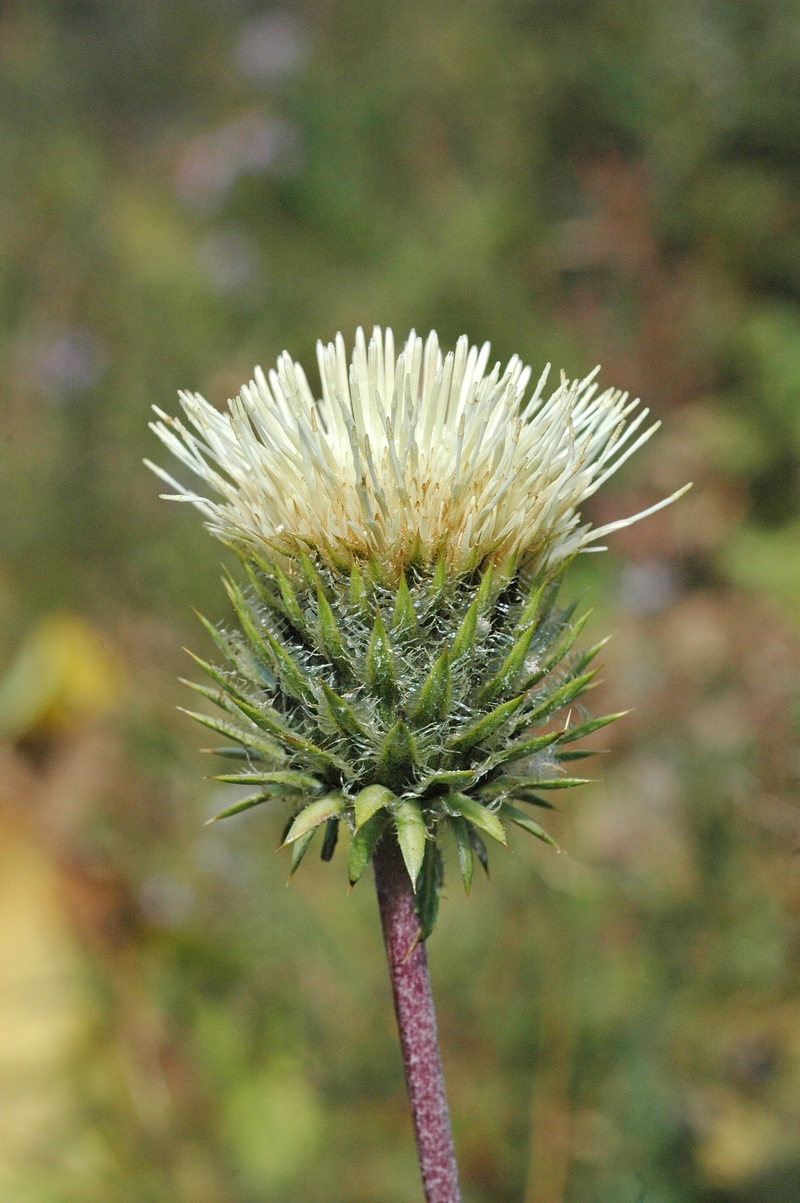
(416, 1020)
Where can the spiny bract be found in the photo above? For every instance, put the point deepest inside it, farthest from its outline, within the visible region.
(401, 663)
(426, 706)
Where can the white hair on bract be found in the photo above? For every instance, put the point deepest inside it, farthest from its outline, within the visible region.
(407, 458)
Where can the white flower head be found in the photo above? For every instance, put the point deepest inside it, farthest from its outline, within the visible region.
(406, 457)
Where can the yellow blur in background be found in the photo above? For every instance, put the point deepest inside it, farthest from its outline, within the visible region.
(64, 676)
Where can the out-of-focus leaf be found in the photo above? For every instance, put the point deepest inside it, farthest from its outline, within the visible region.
(363, 844)
(466, 859)
(314, 814)
(370, 800)
(411, 836)
(477, 814)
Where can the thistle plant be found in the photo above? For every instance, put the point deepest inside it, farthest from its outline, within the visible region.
(401, 672)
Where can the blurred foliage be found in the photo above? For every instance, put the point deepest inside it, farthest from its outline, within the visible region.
(63, 675)
(186, 189)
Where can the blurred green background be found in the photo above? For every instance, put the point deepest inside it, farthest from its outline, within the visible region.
(186, 188)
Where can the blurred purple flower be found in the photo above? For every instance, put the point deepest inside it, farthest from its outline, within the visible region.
(648, 587)
(71, 363)
(251, 144)
(229, 260)
(270, 47)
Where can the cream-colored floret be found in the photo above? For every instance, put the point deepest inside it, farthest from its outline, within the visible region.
(406, 457)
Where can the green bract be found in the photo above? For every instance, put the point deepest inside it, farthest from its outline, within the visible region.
(435, 708)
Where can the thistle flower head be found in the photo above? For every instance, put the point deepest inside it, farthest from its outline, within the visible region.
(401, 665)
(406, 458)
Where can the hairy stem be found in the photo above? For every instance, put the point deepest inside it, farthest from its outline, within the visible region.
(416, 1019)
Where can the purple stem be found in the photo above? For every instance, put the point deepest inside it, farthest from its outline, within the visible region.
(416, 1019)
